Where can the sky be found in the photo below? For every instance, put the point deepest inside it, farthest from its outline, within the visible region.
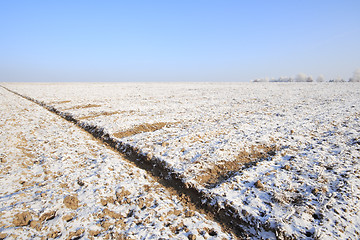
(187, 40)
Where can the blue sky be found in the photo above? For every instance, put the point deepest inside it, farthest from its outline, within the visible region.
(187, 40)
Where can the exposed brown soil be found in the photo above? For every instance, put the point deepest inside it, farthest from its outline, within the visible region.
(48, 216)
(3, 236)
(69, 217)
(36, 225)
(71, 202)
(84, 106)
(22, 219)
(146, 127)
(100, 114)
(223, 170)
(59, 102)
(259, 184)
(76, 234)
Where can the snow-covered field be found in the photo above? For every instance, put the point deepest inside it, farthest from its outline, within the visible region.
(57, 181)
(283, 157)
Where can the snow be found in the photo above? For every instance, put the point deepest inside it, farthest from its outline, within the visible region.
(310, 183)
(45, 159)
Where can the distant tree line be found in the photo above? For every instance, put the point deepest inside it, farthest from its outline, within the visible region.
(301, 77)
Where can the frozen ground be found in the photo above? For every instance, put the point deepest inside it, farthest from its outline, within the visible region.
(57, 181)
(284, 157)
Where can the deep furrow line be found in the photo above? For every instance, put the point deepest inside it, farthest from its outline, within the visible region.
(227, 216)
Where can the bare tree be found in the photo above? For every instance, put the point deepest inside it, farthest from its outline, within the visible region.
(301, 77)
(320, 78)
(356, 76)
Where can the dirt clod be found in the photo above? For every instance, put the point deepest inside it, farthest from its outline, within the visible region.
(212, 232)
(315, 191)
(80, 182)
(71, 202)
(259, 184)
(287, 167)
(103, 202)
(94, 232)
(48, 216)
(69, 217)
(76, 234)
(192, 236)
(54, 234)
(3, 236)
(112, 214)
(22, 219)
(36, 224)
